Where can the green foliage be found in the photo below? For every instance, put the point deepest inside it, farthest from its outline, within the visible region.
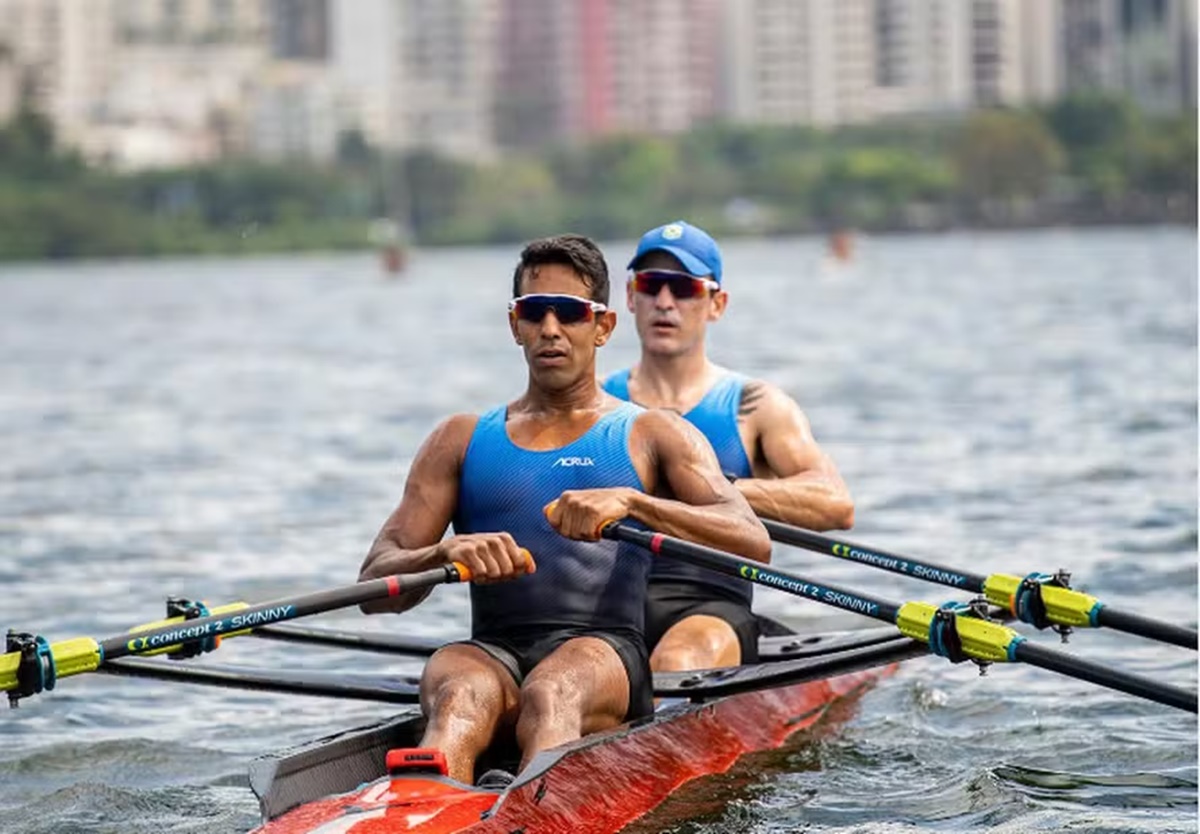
(1165, 158)
(1002, 155)
(1056, 163)
(1091, 121)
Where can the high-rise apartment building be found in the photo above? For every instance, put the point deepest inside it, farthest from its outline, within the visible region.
(190, 21)
(445, 76)
(417, 73)
(569, 71)
(180, 80)
(364, 40)
(299, 29)
(797, 61)
(540, 53)
(922, 56)
(163, 82)
(661, 72)
(1014, 49)
(56, 53)
(1144, 48)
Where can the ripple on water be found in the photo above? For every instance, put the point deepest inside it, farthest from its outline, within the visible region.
(1123, 790)
(122, 763)
(98, 808)
(223, 430)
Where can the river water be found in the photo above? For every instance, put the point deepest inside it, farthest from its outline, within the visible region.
(238, 429)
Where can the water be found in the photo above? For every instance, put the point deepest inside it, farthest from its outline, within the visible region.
(239, 429)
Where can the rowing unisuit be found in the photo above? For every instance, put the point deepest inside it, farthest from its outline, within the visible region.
(580, 588)
(716, 417)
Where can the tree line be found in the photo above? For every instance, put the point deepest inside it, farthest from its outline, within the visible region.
(1085, 159)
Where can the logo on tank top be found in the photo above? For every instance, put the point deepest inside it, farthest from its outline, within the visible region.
(573, 461)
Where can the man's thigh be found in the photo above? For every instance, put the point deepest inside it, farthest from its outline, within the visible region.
(469, 672)
(590, 676)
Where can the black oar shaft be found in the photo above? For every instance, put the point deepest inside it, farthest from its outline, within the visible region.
(214, 625)
(1078, 667)
(904, 565)
(873, 557)
(1145, 627)
(986, 640)
(339, 639)
(731, 565)
(386, 688)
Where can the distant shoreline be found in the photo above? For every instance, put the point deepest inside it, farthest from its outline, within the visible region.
(819, 236)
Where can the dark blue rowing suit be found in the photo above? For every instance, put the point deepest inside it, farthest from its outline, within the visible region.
(595, 589)
(679, 590)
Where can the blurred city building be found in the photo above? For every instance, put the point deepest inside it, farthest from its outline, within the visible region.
(1145, 48)
(57, 55)
(144, 83)
(799, 61)
(569, 71)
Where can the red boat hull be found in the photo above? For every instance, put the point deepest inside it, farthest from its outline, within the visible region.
(600, 784)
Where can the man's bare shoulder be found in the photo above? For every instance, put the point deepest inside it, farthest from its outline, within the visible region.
(765, 399)
(452, 435)
(662, 426)
(661, 420)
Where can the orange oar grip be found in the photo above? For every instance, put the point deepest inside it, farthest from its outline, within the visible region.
(464, 572)
(549, 508)
(530, 565)
(603, 524)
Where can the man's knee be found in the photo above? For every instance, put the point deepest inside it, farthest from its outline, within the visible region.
(678, 657)
(547, 697)
(699, 642)
(467, 690)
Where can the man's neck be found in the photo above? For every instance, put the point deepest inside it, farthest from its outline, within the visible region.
(677, 382)
(584, 395)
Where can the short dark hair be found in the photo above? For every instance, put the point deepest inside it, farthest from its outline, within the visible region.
(576, 251)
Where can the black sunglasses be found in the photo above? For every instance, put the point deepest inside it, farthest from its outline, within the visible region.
(683, 285)
(568, 309)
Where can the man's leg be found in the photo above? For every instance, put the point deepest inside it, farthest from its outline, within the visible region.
(579, 688)
(466, 694)
(700, 641)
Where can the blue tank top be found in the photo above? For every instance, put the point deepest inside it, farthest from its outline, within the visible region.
(594, 585)
(716, 417)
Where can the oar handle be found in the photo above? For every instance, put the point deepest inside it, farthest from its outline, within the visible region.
(1131, 623)
(1077, 667)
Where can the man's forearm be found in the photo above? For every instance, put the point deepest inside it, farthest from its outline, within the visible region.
(387, 558)
(723, 526)
(812, 504)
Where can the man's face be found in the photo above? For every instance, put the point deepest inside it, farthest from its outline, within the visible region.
(559, 351)
(670, 326)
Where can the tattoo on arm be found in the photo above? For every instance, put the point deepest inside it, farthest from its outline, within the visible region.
(752, 396)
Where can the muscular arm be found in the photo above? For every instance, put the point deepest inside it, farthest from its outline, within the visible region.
(704, 507)
(806, 488)
(410, 540)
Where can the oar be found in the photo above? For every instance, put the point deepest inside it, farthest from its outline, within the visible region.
(339, 639)
(33, 664)
(825, 656)
(1038, 599)
(949, 630)
(392, 689)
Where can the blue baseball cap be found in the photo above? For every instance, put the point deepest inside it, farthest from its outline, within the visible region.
(693, 246)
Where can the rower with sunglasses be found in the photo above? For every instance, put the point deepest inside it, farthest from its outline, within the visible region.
(699, 619)
(559, 652)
